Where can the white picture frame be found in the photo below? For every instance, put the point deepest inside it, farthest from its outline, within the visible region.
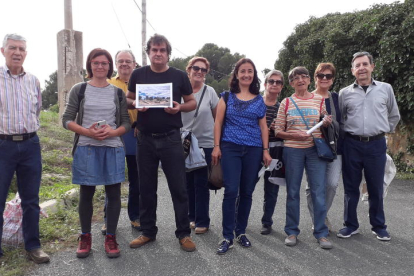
(153, 95)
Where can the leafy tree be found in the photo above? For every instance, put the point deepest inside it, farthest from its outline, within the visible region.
(221, 64)
(50, 93)
(386, 31)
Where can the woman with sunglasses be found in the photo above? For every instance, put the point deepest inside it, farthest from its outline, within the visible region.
(300, 153)
(273, 86)
(241, 141)
(97, 113)
(202, 127)
(324, 77)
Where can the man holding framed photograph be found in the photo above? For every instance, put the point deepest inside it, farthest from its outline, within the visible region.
(159, 140)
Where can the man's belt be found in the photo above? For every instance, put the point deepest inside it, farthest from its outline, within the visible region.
(365, 138)
(17, 137)
(160, 135)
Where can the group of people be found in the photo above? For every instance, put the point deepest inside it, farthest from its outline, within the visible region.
(241, 132)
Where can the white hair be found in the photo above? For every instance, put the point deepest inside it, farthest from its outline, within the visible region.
(14, 37)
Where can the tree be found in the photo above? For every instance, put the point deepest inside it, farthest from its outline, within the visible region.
(221, 64)
(386, 31)
(50, 94)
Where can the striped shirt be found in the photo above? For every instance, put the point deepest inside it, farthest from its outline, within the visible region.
(289, 120)
(20, 102)
(99, 105)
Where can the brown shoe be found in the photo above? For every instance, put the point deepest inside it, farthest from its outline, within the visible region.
(201, 230)
(187, 244)
(140, 241)
(136, 225)
(38, 256)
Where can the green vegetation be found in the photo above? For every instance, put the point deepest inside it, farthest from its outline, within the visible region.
(386, 31)
(59, 230)
(221, 64)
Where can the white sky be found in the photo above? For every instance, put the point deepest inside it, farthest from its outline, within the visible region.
(254, 28)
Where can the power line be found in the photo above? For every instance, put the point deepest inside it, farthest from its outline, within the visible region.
(147, 19)
(119, 22)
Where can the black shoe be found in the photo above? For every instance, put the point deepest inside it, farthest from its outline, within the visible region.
(266, 229)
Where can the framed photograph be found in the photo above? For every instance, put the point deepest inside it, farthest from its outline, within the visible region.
(154, 95)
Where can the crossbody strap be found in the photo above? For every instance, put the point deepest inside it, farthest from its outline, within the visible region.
(198, 106)
(300, 112)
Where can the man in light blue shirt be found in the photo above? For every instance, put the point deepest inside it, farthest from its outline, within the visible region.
(369, 110)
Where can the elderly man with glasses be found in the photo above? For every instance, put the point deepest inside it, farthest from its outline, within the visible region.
(369, 110)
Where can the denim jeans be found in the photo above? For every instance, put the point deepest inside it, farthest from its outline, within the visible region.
(296, 160)
(168, 150)
(333, 172)
(24, 158)
(370, 157)
(133, 196)
(240, 165)
(271, 192)
(199, 193)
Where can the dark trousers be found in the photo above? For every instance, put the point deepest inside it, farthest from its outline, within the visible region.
(133, 197)
(370, 157)
(199, 193)
(168, 150)
(271, 192)
(24, 158)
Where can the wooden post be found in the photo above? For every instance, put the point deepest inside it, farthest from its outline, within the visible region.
(144, 31)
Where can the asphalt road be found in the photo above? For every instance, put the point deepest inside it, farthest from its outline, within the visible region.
(362, 254)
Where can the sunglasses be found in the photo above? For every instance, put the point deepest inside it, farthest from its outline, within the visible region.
(322, 76)
(275, 82)
(196, 69)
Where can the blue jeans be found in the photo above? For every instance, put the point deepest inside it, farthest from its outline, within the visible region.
(168, 150)
(240, 165)
(271, 192)
(370, 157)
(24, 158)
(333, 172)
(296, 160)
(199, 193)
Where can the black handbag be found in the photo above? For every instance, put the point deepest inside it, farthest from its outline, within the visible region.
(324, 151)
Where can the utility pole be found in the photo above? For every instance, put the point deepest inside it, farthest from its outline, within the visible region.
(144, 31)
(70, 58)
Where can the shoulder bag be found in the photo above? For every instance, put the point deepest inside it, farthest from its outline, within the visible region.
(324, 151)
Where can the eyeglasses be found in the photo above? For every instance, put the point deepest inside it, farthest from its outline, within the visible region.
(127, 61)
(322, 76)
(275, 82)
(97, 63)
(300, 77)
(196, 69)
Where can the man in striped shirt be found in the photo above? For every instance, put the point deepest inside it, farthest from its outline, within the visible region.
(20, 104)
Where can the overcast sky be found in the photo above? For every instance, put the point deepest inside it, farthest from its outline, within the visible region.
(256, 28)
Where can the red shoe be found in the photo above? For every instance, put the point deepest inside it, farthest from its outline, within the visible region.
(111, 247)
(84, 247)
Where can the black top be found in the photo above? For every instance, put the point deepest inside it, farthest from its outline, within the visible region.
(271, 114)
(156, 120)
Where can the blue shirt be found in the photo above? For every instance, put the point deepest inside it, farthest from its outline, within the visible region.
(241, 122)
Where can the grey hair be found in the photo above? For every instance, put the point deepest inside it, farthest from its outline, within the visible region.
(361, 54)
(125, 51)
(275, 72)
(14, 37)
